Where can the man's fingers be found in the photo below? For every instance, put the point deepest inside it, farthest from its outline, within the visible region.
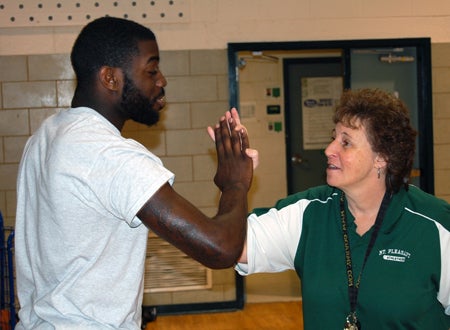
(224, 134)
(236, 137)
(218, 136)
(235, 115)
(245, 144)
(235, 132)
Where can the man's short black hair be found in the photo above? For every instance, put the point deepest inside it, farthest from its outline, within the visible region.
(106, 41)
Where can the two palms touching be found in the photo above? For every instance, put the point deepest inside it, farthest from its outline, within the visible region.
(234, 115)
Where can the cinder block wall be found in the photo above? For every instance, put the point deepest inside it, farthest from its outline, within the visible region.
(34, 86)
(441, 118)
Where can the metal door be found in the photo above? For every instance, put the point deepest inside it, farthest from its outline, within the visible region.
(306, 163)
(392, 69)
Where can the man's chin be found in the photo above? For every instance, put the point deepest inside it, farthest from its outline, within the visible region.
(148, 119)
(159, 107)
(151, 122)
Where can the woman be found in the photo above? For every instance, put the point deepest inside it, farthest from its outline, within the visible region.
(371, 251)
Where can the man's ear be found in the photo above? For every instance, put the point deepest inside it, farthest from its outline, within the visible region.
(110, 78)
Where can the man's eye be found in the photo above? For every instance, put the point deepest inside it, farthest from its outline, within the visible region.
(154, 71)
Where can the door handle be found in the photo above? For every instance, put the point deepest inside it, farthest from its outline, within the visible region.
(297, 159)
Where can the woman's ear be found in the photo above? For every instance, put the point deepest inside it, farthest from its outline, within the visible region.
(380, 161)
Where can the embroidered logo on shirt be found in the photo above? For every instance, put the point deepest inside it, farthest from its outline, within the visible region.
(396, 255)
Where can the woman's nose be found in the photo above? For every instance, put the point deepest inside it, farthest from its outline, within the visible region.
(329, 150)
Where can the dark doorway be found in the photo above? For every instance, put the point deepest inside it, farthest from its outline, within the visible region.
(308, 84)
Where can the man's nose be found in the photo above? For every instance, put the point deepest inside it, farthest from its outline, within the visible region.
(161, 82)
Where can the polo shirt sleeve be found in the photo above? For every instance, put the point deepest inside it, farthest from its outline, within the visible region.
(272, 239)
(444, 287)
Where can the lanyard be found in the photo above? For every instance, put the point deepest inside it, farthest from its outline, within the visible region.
(352, 286)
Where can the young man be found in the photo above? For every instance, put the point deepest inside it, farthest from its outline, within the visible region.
(87, 196)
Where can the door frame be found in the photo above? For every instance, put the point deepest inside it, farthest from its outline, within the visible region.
(424, 82)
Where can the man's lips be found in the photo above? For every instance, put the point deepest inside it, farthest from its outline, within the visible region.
(161, 101)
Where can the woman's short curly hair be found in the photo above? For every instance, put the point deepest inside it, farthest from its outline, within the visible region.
(388, 128)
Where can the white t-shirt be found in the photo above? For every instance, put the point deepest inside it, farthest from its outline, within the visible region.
(79, 247)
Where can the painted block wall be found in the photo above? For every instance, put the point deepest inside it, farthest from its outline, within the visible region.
(36, 79)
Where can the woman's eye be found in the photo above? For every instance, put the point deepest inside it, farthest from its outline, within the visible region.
(345, 143)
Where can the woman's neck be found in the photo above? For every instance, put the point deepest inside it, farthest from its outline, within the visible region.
(364, 208)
